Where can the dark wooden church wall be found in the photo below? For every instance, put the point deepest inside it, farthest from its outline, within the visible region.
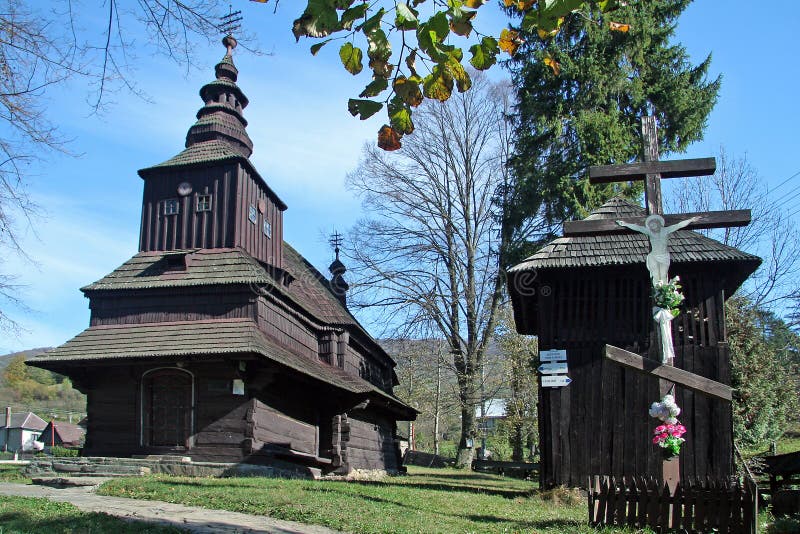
(287, 329)
(583, 313)
(189, 228)
(112, 412)
(371, 441)
(172, 305)
(251, 236)
(273, 427)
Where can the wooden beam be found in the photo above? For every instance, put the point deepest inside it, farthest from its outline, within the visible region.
(696, 383)
(681, 168)
(707, 219)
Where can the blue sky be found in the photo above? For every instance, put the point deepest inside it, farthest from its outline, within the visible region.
(306, 142)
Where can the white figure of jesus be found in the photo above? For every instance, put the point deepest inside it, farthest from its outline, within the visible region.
(658, 259)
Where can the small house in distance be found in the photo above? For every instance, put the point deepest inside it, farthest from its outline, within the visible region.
(21, 431)
(59, 433)
(218, 341)
(583, 292)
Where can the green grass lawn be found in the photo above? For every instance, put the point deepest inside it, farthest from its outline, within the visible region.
(38, 516)
(427, 500)
(11, 473)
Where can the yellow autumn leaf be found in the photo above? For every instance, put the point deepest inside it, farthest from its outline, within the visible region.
(525, 5)
(474, 4)
(509, 3)
(509, 41)
(619, 27)
(553, 64)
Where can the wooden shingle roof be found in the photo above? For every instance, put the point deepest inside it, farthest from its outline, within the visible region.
(204, 267)
(197, 340)
(149, 270)
(685, 246)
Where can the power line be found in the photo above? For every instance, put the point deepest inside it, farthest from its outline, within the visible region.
(786, 181)
(791, 195)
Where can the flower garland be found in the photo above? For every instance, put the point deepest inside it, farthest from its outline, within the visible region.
(668, 436)
(668, 296)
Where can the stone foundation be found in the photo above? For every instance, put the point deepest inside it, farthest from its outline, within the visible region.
(94, 466)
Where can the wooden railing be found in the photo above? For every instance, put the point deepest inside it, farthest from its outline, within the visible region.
(694, 506)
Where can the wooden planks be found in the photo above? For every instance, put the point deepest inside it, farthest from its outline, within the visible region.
(668, 372)
(694, 506)
(706, 219)
(684, 168)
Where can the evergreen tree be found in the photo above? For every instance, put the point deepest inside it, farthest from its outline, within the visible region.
(764, 379)
(580, 99)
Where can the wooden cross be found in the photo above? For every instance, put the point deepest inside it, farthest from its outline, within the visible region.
(652, 171)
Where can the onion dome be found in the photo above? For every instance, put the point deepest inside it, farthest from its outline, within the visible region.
(221, 119)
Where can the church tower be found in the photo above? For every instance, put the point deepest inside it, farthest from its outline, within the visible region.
(210, 195)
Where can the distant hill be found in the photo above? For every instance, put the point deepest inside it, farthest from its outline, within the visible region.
(5, 358)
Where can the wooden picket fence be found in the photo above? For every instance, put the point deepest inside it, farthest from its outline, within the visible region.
(695, 506)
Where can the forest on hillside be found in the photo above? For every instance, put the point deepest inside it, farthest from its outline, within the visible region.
(47, 394)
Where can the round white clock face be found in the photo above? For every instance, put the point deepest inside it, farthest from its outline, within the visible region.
(184, 188)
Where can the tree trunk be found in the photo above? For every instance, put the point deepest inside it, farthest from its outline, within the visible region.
(436, 408)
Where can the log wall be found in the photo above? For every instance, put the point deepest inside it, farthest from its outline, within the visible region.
(599, 423)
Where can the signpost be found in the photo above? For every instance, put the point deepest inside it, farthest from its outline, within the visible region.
(553, 355)
(555, 381)
(553, 368)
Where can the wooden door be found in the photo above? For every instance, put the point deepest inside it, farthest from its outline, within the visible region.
(167, 408)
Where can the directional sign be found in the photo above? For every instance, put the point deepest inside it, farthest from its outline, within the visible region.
(553, 368)
(553, 355)
(555, 381)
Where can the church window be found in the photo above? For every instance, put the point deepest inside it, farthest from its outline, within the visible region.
(267, 229)
(171, 206)
(252, 214)
(203, 202)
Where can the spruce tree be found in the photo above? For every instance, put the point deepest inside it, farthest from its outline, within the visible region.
(580, 99)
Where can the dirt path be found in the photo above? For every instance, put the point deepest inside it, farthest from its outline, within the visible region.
(191, 518)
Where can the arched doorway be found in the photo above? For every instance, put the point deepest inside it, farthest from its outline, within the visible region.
(167, 408)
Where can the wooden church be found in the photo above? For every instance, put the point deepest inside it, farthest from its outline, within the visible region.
(218, 340)
(580, 293)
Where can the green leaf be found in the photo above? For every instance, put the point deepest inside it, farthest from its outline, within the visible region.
(379, 52)
(318, 20)
(438, 84)
(373, 23)
(406, 17)
(315, 48)
(431, 34)
(550, 11)
(456, 70)
(351, 57)
(484, 54)
(353, 14)
(400, 116)
(364, 108)
(376, 87)
(379, 47)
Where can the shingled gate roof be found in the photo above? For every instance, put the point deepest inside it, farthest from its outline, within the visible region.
(626, 248)
(197, 339)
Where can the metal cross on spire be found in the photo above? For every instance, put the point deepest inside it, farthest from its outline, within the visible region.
(229, 24)
(336, 240)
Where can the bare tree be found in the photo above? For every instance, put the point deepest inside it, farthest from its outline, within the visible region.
(429, 251)
(737, 185)
(44, 46)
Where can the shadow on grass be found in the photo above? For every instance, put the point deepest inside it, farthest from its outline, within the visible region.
(86, 522)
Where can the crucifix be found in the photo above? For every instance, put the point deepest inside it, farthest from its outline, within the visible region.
(658, 227)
